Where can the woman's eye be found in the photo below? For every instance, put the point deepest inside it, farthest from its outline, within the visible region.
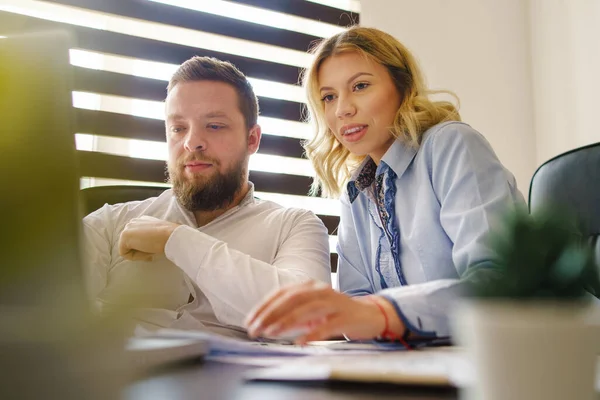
(327, 98)
(361, 86)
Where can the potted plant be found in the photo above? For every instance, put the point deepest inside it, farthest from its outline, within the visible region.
(525, 328)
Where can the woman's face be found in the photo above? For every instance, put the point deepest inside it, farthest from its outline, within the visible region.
(360, 102)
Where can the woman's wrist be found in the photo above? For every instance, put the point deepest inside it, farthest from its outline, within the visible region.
(374, 315)
(395, 324)
(392, 324)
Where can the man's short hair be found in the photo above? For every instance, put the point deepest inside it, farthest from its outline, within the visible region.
(211, 69)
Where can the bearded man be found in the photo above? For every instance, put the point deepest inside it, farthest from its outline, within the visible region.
(204, 253)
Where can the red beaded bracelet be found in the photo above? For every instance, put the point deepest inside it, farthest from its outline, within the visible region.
(387, 334)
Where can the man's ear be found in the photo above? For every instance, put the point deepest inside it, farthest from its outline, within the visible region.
(254, 136)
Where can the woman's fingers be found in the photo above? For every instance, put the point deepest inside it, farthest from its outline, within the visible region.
(331, 327)
(276, 310)
(258, 312)
(300, 318)
(355, 317)
(299, 296)
(317, 312)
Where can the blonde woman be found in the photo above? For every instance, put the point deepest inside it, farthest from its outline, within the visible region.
(420, 192)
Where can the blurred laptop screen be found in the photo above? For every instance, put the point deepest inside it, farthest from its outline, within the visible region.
(39, 206)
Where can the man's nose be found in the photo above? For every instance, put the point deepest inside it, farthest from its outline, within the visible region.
(195, 140)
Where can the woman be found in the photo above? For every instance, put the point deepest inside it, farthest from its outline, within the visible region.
(420, 192)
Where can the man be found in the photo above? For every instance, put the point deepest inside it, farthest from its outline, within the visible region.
(204, 253)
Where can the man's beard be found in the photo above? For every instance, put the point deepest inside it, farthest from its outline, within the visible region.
(207, 193)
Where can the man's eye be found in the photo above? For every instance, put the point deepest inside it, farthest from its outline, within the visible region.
(215, 127)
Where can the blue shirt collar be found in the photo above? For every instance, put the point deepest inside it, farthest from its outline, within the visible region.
(397, 158)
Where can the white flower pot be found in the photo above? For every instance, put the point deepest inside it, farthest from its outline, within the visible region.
(527, 350)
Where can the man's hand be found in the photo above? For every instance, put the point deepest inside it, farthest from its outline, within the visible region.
(321, 313)
(144, 237)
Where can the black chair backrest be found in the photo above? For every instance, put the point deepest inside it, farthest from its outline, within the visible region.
(571, 181)
(95, 197)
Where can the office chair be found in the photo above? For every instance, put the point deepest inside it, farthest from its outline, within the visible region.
(571, 181)
(95, 197)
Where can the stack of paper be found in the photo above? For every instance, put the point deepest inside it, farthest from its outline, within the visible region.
(223, 346)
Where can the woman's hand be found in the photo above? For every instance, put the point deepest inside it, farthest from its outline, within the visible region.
(320, 312)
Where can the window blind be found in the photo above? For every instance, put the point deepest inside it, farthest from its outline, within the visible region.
(126, 51)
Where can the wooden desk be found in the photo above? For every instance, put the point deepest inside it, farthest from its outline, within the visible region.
(215, 381)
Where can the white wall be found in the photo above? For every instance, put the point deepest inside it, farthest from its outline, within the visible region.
(480, 50)
(565, 37)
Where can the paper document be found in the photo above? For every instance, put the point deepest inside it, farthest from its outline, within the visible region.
(222, 345)
(430, 367)
(440, 367)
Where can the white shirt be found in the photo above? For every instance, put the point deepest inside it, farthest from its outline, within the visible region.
(227, 266)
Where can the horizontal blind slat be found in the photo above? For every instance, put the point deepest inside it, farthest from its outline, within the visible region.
(306, 9)
(112, 83)
(196, 20)
(146, 49)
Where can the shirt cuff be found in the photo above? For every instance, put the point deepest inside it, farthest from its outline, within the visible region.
(410, 318)
(187, 247)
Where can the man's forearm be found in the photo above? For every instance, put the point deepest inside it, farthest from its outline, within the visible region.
(235, 282)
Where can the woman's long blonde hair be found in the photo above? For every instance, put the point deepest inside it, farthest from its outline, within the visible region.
(332, 162)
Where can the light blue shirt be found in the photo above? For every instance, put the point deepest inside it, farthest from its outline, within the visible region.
(415, 226)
